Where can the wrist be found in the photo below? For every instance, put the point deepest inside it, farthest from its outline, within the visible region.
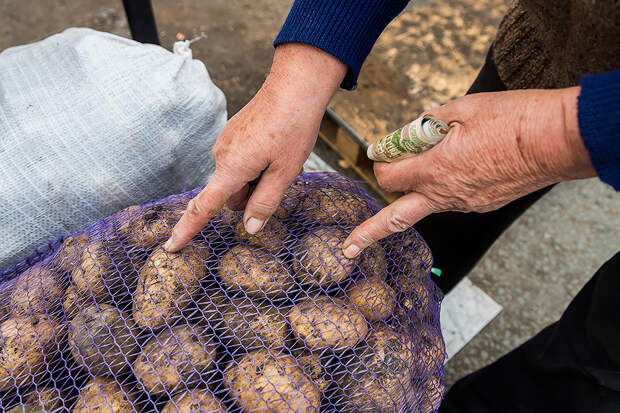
(551, 129)
(578, 163)
(304, 73)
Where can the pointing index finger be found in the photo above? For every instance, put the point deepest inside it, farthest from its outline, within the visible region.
(200, 210)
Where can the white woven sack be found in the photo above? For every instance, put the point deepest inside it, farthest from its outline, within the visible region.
(91, 123)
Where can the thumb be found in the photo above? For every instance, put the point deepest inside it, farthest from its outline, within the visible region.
(396, 217)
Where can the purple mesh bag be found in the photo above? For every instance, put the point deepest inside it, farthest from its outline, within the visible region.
(106, 321)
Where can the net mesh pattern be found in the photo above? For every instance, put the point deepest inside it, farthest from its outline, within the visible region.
(106, 320)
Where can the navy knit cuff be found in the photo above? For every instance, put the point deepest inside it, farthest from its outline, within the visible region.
(599, 124)
(346, 29)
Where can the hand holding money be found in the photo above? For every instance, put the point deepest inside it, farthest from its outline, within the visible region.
(500, 147)
(412, 139)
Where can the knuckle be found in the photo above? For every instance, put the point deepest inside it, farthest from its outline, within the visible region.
(365, 237)
(395, 222)
(196, 210)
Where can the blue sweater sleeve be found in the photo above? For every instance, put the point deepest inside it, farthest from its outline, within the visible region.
(346, 29)
(598, 110)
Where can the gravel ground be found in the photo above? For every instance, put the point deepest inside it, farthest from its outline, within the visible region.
(533, 270)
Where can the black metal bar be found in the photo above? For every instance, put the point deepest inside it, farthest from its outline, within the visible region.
(340, 122)
(141, 20)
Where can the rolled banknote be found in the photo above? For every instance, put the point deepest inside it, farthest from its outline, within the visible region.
(412, 139)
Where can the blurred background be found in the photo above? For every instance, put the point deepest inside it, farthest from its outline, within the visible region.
(428, 55)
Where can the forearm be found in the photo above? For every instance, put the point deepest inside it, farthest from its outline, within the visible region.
(347, 29)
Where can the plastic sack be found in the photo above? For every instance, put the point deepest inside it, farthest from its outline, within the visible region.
(91, 122)
(279, 321)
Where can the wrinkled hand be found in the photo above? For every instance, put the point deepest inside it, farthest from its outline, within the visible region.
(268, 140)
(501, 146)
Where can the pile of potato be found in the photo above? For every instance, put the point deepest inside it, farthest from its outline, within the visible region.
(277, 321)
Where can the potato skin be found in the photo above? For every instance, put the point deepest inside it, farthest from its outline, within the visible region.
(166, 285)
(250, 324)
(373, 261)
(377, 377)
(103, 395)
(273, 236)
(175, 360)
(319, 259)
(26, 343)
(103, 340)
(432, 393)
(256, 271)
(330, 206)
(43, 400)
(325, 322)
(145, 228)
(265, 381)
(73, 303)
(416, 304)
(431, 350)
(193, 401)
(95, 275)
(311, 364)
(68, 255)
(227, 218)
(38, 290)
(372, 297)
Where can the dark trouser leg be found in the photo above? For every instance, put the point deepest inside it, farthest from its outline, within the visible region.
(571, 366)
(458, 240)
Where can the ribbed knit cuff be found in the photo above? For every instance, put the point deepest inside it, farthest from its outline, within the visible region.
(346, 29)
(599, 124)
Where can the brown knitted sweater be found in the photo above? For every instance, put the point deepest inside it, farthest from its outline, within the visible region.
(553, 43)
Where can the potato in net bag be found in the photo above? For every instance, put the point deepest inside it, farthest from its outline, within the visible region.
(105, 320)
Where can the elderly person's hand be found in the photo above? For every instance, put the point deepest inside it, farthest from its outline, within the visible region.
(501, 146)
(268, 140)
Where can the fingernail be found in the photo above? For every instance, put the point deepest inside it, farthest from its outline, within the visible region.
(351, 251)
(169, 244)
(253, 225)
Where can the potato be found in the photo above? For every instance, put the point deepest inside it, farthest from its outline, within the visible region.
(43, 400)
(373, 261)
(431, 349)
(74, 303)
(255, 271)
(273, 236)
(377, 377)
(96, 276)
(311, 364)
(331, 206)
(6, 290)
(325, 322)
(194, 401)
(38, 290)
(167, 284)
(414, 262)
(27, 343)
(319, 259)
(432, 394)
(416, 304)
(372, 297)
(68, 256)
(228, 218)
(251, 324)
(265, 381)
(145, 228)
(175, 360)
(103, 340)
(103, 395)
(292, 200)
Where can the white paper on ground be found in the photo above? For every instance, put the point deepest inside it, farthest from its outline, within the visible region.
(465, 310)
